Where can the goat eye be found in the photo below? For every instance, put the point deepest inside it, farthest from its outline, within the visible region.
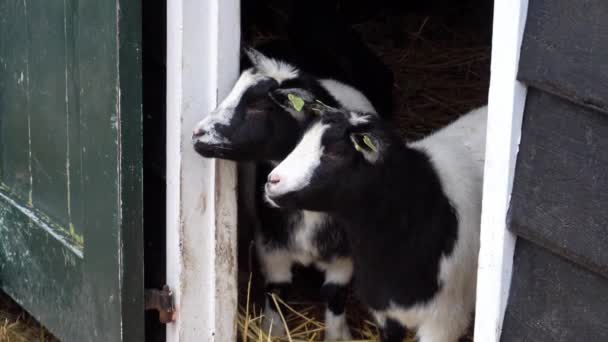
(333, 150)
(258, 106)
(254, 111)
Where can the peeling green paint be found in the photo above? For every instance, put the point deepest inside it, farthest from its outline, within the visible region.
(78, 238)
(71, 165)
(67, 234)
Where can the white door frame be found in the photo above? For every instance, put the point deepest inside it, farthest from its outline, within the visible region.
(505, 111)
(203, 39)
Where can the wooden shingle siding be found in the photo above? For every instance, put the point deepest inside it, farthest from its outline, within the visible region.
(559, 286)
(561, 302)
(560, 192)
(565, 50)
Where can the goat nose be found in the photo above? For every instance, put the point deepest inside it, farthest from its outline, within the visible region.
(197, 133)
(274, 179)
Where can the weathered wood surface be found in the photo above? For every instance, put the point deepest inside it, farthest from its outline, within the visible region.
(201, 204)
(48, 75)
(560, 194)
(14, 111)
(70, 161)
(553, 299)
(565, 50)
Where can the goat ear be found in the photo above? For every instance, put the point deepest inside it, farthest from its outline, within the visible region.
(255, 56)
(367, 144)
(293, 100)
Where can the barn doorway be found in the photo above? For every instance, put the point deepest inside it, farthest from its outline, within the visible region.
(431, 57)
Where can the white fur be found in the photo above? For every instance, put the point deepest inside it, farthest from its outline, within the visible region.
(275, 263)
(336, 327)
(296, 170)
(358, 118)
(303, 248)
(457, 152)
(348, 97)
(278, 70)
(339, 271)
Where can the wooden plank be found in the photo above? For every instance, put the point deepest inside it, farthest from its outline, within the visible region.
(554, 300)
(110, 123)
(505, 109)
(560, 194)
(564, 50)
(225, 189)
(74, 151)
(130, 154)
(99, 123)
(42, 271)
(202, 65)
(35, 250)
(14, 93)
(92, 50)
(47, 106)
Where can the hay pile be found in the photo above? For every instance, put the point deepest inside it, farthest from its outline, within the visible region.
(17, 326)
(441, 71)
(303, 320)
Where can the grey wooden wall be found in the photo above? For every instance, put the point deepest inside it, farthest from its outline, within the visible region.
(559, 208)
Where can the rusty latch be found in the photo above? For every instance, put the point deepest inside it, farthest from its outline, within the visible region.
(161, 300)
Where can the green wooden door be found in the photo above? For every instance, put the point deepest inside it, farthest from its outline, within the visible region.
(71, 165)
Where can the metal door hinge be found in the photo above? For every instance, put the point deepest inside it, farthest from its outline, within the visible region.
(162, 301)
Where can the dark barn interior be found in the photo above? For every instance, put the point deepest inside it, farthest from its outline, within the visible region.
(154, 30)
(421, 63)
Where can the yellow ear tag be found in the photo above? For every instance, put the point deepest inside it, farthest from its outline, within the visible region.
(296, 102)
(357, 147)
(369, 143)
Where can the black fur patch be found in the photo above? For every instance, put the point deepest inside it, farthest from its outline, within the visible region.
(280, 290)
(398, 220)
(398, 241)
(335, 296)
(331, 240)
(393, 331)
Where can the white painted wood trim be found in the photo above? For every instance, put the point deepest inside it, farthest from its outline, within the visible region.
(505, 111)
(203, 38)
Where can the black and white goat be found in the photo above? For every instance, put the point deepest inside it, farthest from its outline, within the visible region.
(249, 125)
(411, 212)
